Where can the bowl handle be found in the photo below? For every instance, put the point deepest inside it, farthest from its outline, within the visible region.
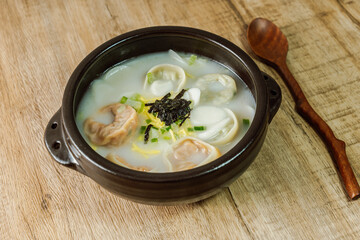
(274, 93)
(55, 143)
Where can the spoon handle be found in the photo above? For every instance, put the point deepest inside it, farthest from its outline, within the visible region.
(336, 146)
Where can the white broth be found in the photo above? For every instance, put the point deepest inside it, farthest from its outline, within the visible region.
(222, 108)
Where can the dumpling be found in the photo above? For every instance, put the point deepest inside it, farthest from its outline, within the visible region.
(220, 124)
(188, 153)
(216, 88)
(115, 133)
(164, 78)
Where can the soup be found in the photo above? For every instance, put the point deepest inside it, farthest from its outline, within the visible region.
(165, 112)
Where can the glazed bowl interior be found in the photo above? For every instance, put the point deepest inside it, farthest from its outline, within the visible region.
(142, 42)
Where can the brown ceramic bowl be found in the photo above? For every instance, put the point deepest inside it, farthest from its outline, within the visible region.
(66, 145)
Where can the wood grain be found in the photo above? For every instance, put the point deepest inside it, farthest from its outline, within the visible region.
(291, 191)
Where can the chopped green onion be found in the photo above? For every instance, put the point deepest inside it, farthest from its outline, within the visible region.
(190, 129)
(168, 128)
(199, 128)
(177, 122)
(137, 105)
(148, 121)
(162, 130)
(142, 129)
(142, 105)
(246, 121)
(155, 128)
(192, 59)
(150, 77)
(136, 97)
(154, 140)
(167, 138)
(123, 100)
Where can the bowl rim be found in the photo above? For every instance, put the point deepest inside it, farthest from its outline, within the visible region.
(75, 139)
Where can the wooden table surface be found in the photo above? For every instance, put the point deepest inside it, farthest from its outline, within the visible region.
(291, 191)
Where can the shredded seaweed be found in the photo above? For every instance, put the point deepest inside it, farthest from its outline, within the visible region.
(171, 110)
(147, 131)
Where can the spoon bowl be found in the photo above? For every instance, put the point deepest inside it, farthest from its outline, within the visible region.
(267, 40)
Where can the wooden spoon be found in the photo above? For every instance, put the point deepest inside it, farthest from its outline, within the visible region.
(270, 44)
